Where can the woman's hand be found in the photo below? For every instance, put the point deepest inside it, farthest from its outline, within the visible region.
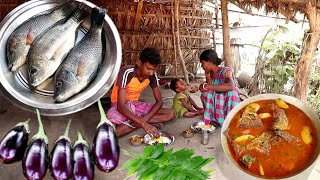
(203, 87)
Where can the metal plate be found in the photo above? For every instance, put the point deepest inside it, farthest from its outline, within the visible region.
(201, 126)
(15, 86)
(165, 137)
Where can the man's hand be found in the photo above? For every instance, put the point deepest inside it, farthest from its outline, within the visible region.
(151, 130)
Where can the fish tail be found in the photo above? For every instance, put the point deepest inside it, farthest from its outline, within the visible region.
(81, 12)
(97, 16)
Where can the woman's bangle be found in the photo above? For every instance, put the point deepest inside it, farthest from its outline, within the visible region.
(204, 87)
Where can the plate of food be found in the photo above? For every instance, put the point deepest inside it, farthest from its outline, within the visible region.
(272, 136)
(201, 126)
(165, 137)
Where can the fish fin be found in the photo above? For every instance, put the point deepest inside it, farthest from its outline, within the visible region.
(81, 12)
(58, 52)
(97, 16)
(80, 68)
(29, 37)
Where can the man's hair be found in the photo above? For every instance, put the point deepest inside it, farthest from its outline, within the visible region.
(150, 55)
(210, 55)
(173, 84)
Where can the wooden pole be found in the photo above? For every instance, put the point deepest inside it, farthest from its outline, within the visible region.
(177, 37)
(226, 34)
(138, 15)
(303, 70)
(174, 44)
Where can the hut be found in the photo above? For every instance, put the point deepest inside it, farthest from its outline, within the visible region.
(181, 29)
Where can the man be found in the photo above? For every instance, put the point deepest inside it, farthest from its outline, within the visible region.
(126, 109)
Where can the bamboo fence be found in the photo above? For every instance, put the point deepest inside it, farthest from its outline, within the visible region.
(142, 24)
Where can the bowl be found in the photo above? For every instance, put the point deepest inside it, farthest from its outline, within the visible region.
(135, 140)
(188, 133)
(288, 99)
(15, 86)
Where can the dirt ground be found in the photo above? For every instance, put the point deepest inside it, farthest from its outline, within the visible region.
(87, 120)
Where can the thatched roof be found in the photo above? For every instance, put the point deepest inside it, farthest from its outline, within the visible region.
(289, 8)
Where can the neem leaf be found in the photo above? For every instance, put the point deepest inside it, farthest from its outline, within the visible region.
(194, 174)
(145, 167)
(197, 162)
(147, 151)
(157, 151)
(164, 156)
(157, 164)
(130, 163)
(162, 173)
(173, 174)
(148, 174)
(183, 154)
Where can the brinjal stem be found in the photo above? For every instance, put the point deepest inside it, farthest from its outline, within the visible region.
(66, 132)
(25, 124)
(41, 134)
(80, 140)
(103, 118)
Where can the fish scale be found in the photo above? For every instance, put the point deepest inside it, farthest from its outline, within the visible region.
(49, 50)
(81, 64)
(19, 42)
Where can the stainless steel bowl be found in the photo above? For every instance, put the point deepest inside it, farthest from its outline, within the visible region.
(15, 85)
(291, 100)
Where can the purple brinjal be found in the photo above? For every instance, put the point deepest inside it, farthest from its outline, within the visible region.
(83, 167)
(61, 164)
(14, 143)
(105, 144)
(35, 160)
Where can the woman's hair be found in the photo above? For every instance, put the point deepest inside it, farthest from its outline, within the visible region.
(150, 55)
(210, 55)
(173, 84)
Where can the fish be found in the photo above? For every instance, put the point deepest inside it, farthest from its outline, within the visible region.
(20, 40)
(82, 63)
(49, 50)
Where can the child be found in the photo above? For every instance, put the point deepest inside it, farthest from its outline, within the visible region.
(183, 105)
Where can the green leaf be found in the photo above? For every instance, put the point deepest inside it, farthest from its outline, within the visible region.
(131, 165)
(145, 168)
(195, 175)
(130, 162)
(157, 151)
(162, 173)
(157, 164)
(173, 174)
(148, 174)
(147, 151)
(163, 158)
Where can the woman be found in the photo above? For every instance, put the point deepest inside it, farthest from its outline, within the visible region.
(221, 94)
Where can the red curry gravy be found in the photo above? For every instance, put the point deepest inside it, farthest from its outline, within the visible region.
(285, 158)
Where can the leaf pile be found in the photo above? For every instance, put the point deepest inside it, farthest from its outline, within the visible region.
(157, 164)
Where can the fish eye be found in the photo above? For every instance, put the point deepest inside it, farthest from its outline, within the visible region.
(33, 71)
(59, 84)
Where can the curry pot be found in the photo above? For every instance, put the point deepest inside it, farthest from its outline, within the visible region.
(291, 100)
(15, 86)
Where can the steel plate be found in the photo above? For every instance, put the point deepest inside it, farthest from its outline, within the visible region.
(167, 139)
(15, 86)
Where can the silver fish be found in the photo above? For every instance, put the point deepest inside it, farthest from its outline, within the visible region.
(49, 50)
(20, 40)
(82, 63)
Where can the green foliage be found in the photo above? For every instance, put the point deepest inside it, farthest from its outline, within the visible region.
(282, 53)
(157, 164)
